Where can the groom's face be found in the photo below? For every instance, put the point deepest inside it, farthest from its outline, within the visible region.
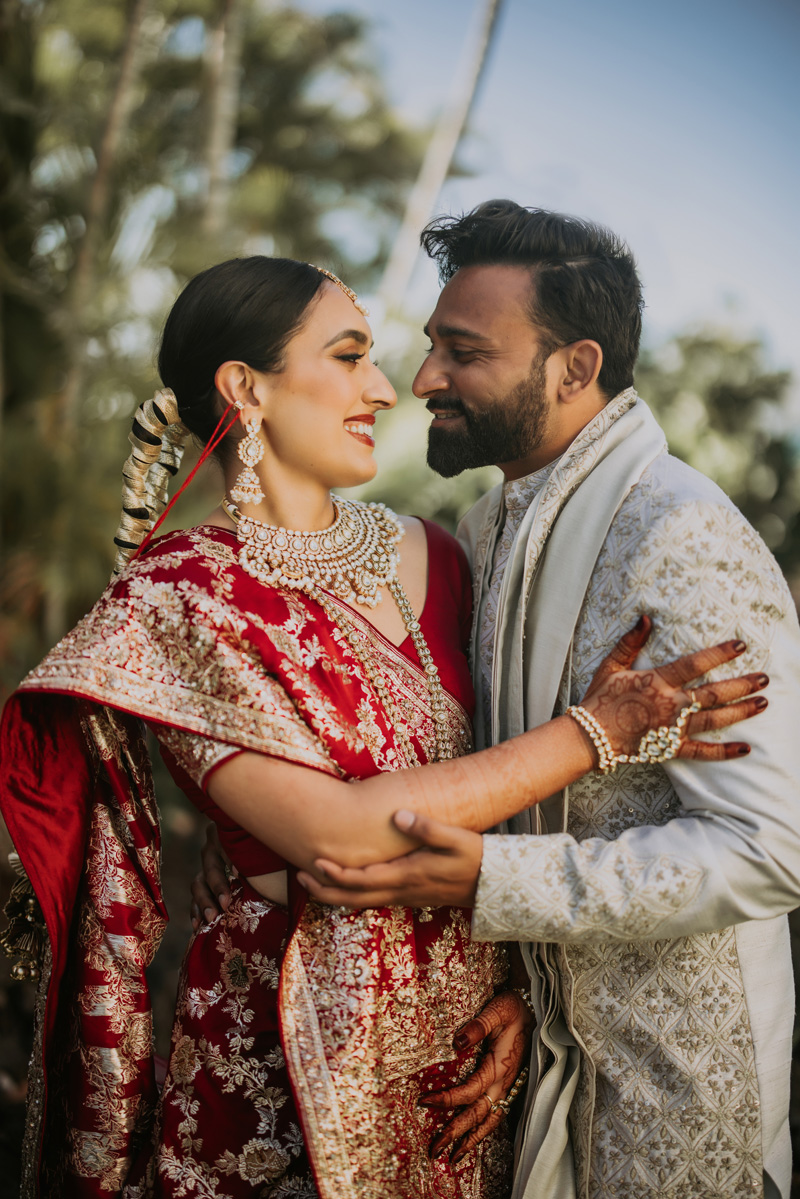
(485, 377)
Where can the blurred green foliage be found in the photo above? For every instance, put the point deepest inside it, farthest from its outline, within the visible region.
(725, 412)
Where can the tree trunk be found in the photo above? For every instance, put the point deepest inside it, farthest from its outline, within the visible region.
(2, 416)
(224, 73)
(84, 271)
(439, 156)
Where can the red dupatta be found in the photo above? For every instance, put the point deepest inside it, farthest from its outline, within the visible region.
(184, 637)
(78, 802)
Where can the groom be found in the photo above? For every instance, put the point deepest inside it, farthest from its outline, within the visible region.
(651, 902)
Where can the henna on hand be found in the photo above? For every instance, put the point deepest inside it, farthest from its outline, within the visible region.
(506, 1024)
(632, 702)
(628, 703)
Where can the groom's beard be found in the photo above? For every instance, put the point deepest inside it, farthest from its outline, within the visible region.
(505, 430)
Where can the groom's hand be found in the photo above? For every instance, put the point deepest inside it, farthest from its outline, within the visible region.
(443, 873)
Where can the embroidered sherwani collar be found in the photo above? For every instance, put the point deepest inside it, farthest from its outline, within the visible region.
(480, 527)
(519, 494)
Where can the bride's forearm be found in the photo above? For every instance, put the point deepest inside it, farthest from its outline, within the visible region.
(304, 815)
(485, 788)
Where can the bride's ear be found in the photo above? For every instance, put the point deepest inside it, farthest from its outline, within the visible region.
(235, 382)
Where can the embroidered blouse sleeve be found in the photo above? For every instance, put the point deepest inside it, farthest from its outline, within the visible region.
(195, 754)
(731, 852)
(269, 724)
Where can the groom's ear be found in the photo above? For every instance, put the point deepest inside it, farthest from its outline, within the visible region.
(581, 362)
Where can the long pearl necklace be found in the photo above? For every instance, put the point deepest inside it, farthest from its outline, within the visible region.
(351, 559)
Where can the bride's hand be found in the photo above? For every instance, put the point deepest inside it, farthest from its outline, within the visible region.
(506, 1024)
(628, 703)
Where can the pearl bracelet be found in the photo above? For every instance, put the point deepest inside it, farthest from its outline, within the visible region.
(657, 745)
(606, 759)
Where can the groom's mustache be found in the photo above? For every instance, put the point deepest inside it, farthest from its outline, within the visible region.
(445, 404)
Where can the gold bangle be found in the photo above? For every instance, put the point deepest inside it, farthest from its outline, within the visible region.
(526, 998)
(505, 1104)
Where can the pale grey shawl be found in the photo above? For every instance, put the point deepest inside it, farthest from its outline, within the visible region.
(541, 597)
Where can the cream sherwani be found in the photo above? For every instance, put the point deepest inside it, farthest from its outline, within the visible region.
(651, 903)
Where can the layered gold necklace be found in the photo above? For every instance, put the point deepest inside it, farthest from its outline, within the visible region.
(352, 559)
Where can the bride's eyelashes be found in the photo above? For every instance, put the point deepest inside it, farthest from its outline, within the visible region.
(354, 357)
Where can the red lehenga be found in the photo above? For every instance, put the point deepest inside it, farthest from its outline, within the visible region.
(303, 1039)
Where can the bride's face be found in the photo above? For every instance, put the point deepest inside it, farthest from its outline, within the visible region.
(319, 411)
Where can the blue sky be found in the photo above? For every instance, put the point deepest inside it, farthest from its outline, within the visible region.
(675, 124)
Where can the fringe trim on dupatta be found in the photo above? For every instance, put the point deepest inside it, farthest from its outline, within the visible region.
(25, 937)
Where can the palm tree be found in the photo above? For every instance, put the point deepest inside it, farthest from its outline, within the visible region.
(438, 158)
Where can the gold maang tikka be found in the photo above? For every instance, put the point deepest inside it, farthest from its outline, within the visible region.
(348, 291)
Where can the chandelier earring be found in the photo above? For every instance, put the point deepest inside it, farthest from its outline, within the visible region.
(250, 449)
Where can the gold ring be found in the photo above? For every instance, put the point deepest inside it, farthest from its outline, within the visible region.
(695, 700)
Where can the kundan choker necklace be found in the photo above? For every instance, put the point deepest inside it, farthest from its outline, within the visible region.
(351, 559)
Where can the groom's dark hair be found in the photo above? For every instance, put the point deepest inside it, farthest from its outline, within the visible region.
(584, 277)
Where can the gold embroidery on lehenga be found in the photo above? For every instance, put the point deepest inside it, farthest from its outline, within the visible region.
(247, 1080)
(363, 1012)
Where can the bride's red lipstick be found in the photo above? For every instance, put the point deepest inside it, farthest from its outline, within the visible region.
(356, 427)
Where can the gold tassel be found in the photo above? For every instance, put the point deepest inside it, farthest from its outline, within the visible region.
(26, 934)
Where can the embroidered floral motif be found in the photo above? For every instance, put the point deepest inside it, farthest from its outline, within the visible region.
(196, 755)
(562, 890)
(227, 1076)
(370, 1004)
(102, 1075)
(695, 1083)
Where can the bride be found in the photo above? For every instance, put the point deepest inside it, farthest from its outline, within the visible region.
(299, 713)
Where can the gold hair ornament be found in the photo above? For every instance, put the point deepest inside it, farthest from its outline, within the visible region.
(154, 459)
(348, 291)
